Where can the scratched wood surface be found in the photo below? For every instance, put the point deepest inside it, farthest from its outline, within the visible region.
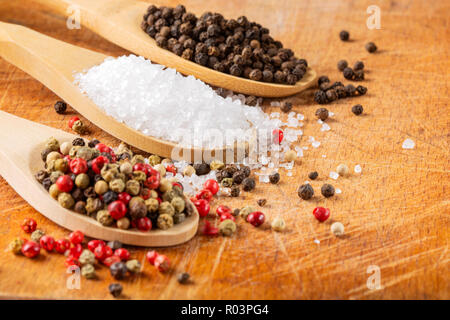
(396, 212)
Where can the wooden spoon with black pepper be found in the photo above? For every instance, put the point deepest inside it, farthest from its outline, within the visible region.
(119, 22)
(20, 144)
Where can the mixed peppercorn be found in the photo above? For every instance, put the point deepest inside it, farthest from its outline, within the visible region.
(234, 46)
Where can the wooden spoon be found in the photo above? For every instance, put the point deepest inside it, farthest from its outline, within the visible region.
(21, 142)
(119, 21)
(55, 62)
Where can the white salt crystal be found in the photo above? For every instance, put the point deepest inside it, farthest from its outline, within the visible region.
(334, 175)
(316, 241)
(324, 156)
(289, 174)
(330, 114)
(275, 104)
(358, 168)
(305, 148)
(315, 144)
(300, 116)
(275, 115)
(408, 144)
(162, 103)
(306, 182)
(319, 121)
(311, 139)
(338, 191)
(325, 127)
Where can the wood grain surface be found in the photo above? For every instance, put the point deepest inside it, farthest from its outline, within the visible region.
(396, 212)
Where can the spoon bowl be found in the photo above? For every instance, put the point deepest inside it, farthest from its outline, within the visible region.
(20, 160)
(119, 22)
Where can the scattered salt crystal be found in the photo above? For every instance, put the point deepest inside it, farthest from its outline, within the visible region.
(330, 114)
(275, 115)
(315, 144)
(325, 127)
(316, 241)
(338, 191)
(408, 144)
(319, 121)
(300, 116)
(306, 182)
(324, 156)
(358, 168)
(275, 104)
(289, 174)
(334, 175)
(311, 139)
(305, 148)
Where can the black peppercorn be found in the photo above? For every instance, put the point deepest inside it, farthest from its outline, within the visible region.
(322, 113)
(361, 90)
(118, 270)
(359, 65)
(109, 196)
(80, 207)
(115, 289)
(93, 143)
(344, 35)
(261, 202)
(350, 90)
(41, 175)
(183, 277)
(322, 79)
(313, 175)
(342, 64)
(371, 47)
(331, 95)
(46, 183)
(286, 106)
(78, 142)
(248, 184)
(357, 109)
(359, 75)
(305, 191)
(201, 169)
(251, 101)
(235, 191)
(320, 97)
(274, 178)
(238, 177)
(246, 170)
(327, 190)
(348, 73)
(114, 244)
(60, 107)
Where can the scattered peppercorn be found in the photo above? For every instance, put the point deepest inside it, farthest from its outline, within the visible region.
(343, 170)
(344, 35)
(60, 107)
(286, 106)
(118, 270)
(274, 178)
(348, 73)
(371, 47)
(359, 65)
(37, 235)
(337, 229)
(313, 175)
(261, 202)
(248, 184)
(183, 277)
(115, 289)
(342, 64)
(278, 224)
(361, 90)
(227, 227)
(327, 190)
(357, 109)
(322, 114)
(201, 169)
(235, 191)
(305, 191)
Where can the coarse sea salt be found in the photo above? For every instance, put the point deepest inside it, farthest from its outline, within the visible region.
(334, 175)
(162, 103)
(408, 144)
(315, 144)
(358, 168)
(338, 191)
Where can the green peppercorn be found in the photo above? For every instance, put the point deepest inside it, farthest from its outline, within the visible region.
(66, 200)
(216, 165)
(78, 127)
(126, 168)
(166, 208)
(132, 187)
(55, 175)
(245, 211)
(86, 153)
(86, 257)
(15, 246)
(123, 223)
(53, 155)
(88, 271)
(165, 185)
(73, 151)
(117, 185)
(65, 148)
(227, 182)
(152, 205)
(101, 187)
(165, 221)
(133, 266)
(93, 205)
(139, 176)
(82, 181)
(109, 172)
(54, 191)
(104, 218)
(154, 159)
(61, 165)
(227, 227)
(52, 144)
(178, 204)
(36, 235)
(137, 159)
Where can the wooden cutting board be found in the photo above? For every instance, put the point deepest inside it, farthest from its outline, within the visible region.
(396, 212)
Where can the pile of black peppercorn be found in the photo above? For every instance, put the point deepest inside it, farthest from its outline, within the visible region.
(238, 47)
(356, 73)
(329, 92)
(231, 176)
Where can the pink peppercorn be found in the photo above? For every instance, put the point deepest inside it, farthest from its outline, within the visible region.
(212, 185)
(256, 218)
(62, 245)
(124, 197)
(321, 214)
(98, 163)
(29, 225)
(64, 183)
(151, 256)
(122, 253)
(278, 136)
(72, 121)
(144, 224)
(223, 210)
(109, 261)
(94, 244)
(47, 243)
(204, 194)
(117, 209)
(202, 207)
(76, 237)
(31, 249)
(78, 165)
(162, 263)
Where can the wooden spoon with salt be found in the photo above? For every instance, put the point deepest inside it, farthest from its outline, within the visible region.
(119, 22)
(21, 142)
